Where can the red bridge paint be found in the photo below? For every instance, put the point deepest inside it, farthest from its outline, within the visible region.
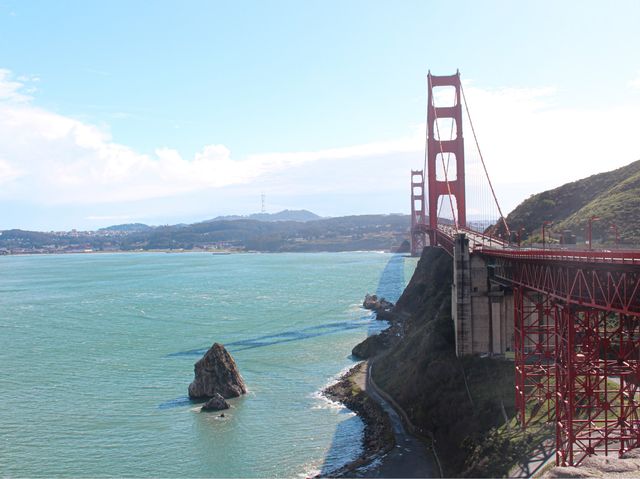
(576, 313)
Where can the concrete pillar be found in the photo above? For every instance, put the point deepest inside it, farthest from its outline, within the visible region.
(461, 296)
(482, 309)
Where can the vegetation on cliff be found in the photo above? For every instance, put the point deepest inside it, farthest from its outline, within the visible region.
(465, 403)
(613, 197)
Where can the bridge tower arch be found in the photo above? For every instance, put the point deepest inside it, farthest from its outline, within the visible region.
(436, 147)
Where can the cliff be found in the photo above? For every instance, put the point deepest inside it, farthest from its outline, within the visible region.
(465, 403)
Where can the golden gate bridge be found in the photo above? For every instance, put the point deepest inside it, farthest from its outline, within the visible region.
(571, 316)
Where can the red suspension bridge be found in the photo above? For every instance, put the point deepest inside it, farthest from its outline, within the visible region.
(571, 316)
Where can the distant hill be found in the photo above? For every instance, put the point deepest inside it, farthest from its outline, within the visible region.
(613, 196)
(129, 227)
(284, 215)
(348, 233)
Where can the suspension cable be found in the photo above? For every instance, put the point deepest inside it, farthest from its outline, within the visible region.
(435, 114)
(466, 106)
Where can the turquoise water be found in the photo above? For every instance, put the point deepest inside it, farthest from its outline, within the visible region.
(97, 351)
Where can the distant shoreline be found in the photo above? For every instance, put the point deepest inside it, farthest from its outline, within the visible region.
(179, 251)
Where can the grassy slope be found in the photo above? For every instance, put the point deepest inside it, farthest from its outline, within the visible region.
(424, 375)
(614, 196)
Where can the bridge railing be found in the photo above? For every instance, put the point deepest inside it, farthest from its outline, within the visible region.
(630, 257)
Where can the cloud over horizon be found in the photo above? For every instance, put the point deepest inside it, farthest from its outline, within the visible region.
(527, 139)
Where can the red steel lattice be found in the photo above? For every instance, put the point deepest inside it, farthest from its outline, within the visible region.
(534, 338)
(597, 374)
(577, 313)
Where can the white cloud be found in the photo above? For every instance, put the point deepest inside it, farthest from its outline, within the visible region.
(11, 90)
(526, 139)
(51, 158)
(635, 83)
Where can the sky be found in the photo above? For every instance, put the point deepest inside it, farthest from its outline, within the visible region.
(175, 112)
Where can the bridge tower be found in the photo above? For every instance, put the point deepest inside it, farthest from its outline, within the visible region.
(437, 148)
(418, 218)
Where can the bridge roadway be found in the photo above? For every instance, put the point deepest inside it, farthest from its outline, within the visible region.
(488, 245)
(576, 335)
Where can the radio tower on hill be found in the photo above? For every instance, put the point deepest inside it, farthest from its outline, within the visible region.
(263, 197)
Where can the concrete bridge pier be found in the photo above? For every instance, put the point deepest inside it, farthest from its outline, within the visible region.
(482, 309)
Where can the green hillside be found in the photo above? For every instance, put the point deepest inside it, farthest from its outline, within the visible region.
(613, 196)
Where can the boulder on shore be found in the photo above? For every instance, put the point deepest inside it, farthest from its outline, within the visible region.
(216, 403)
(369, 347)
(216, 373)
(372, 302)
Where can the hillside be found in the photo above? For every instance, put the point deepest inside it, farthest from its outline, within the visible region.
(128, 227)
(613, 196)
(284, 215)
(348, 233)
(465, 404)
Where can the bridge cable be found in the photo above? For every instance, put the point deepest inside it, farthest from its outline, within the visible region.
(435, 114)
(466, 106)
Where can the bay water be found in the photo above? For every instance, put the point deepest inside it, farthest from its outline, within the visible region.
(97, 352)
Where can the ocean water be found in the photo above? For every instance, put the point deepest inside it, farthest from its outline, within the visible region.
(97, 352)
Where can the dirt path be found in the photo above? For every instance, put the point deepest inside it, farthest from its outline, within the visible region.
(410, 457)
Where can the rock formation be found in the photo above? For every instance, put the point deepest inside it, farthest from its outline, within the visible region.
(372, 302)
(216, 403)
(370, 346)
(216, 373)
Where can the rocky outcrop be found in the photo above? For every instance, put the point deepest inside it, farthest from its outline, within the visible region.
(216, 373)
(216, 403)
(378, 432)
(370, 346)
(372, 303)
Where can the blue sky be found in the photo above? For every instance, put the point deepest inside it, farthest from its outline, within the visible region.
(167, 112)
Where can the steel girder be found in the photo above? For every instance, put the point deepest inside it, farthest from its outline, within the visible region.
(612, 288)
(597, 376)
(534, 334)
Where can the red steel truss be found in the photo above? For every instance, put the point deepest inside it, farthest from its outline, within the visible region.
(597, 376)
(534, 336)
(577, 342)
(608, 287)
(577, 312)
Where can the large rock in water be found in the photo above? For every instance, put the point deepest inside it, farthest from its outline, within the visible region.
(216, 373)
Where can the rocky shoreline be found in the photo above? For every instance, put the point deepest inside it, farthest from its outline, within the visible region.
(378, 433)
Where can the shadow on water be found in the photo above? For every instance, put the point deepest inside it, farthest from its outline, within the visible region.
(390, 286)
(391, 283)
(177, 402)
(343, 446)
(278, 338)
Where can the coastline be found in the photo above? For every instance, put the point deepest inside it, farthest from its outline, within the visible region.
(378, 438)
(179, 251)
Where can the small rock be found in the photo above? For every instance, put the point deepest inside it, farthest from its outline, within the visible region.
(216, 403)
(372, 302)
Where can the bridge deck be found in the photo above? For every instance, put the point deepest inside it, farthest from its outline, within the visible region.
(485, 244)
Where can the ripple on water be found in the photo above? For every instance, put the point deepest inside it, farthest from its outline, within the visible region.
(112, 399)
